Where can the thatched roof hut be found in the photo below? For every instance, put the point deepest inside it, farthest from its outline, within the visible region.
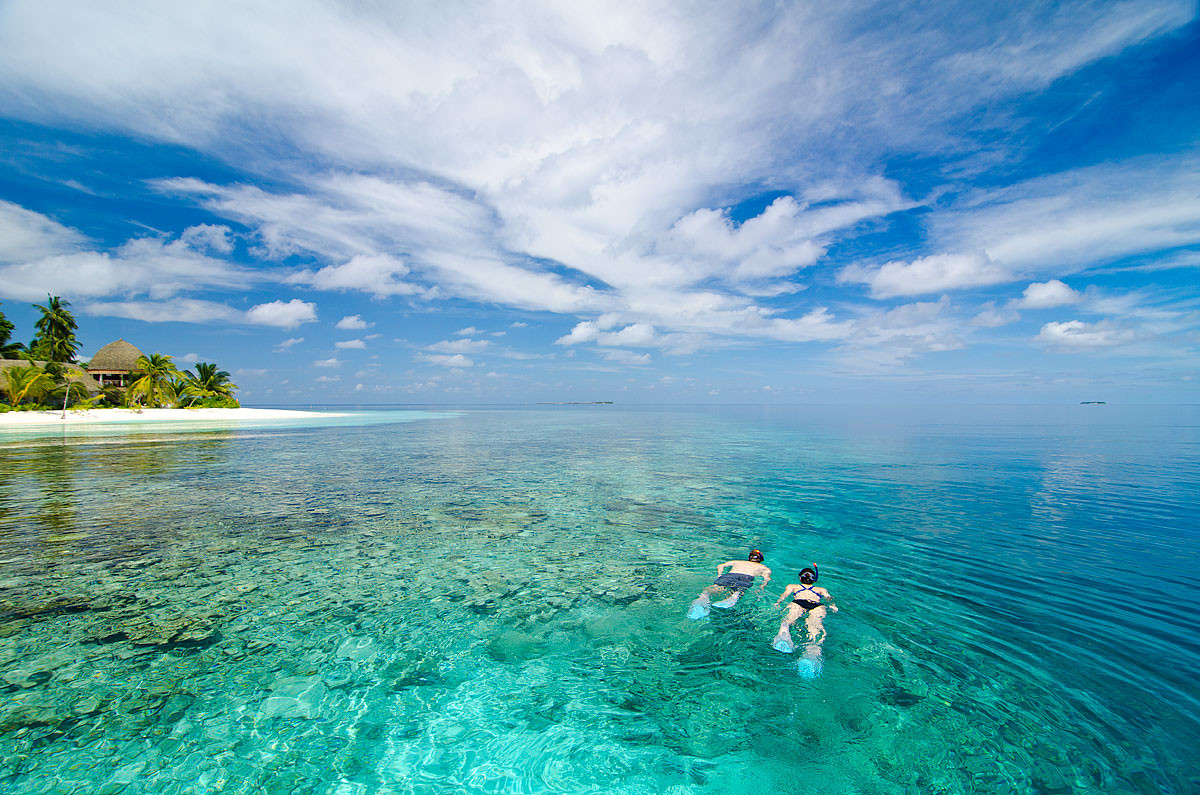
(114, 363)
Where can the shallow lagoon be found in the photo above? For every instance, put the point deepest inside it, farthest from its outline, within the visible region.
(493, 601)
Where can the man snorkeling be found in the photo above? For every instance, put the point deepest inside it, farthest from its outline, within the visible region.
(807, 600)
(739, 577)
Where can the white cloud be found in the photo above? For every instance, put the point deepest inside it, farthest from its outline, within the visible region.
(333, 362)
(991, 317)
(208, 237)
(284, 314)
(350, 345)
(519, 324)
(626, 357)
(460, 346)
(290, 342)
(580, 161)
(176, 310)
(469, 331)
(890, 338)
(353, 323)
(1079, 218)
(933, 274)
(377, 274)
(158, 267)
(454, 361)
(242, 371)
(1046, 295)
(187, 358)
(1076, 335)
(26, 236)
(327, 379)
(636, 334)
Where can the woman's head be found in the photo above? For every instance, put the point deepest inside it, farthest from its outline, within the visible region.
(808, 574)
(755, 556)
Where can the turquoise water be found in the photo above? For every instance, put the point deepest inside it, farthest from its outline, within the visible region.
(493, 601)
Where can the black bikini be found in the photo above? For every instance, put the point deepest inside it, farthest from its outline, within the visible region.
(805, 603)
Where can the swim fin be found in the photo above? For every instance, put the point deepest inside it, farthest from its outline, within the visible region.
(783, 644)
(697, 610)
(809, 666)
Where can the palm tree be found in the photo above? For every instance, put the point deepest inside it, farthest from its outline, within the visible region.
(29, 381)
(208, 381)
(55, 338)
(155, 381)
(8, 350)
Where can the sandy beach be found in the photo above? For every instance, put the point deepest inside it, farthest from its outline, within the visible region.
(14, 419)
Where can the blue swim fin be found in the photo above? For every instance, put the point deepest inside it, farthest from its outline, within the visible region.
(697, 610)
(809, 666)
(783, 644)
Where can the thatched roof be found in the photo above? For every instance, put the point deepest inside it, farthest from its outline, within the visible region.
(74, 373)
(119, 355)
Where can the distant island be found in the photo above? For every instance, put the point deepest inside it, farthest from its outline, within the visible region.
(574, 403)
(1092, 403)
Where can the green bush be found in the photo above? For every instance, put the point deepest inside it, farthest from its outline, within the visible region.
(215, 403)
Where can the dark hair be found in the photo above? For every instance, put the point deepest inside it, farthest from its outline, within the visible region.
(811, 572)
(754, 553)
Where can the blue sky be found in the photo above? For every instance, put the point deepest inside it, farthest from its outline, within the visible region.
(730, 203)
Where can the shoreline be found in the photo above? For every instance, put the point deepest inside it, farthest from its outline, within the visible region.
(23, 419)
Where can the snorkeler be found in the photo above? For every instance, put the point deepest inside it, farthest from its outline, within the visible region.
(806, 598)
(737, 580)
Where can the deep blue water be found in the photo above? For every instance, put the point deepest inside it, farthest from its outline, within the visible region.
(493, 600)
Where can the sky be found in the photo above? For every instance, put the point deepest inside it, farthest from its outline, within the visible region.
(462, 202)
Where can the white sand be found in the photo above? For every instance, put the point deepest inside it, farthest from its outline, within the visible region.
(12, 419)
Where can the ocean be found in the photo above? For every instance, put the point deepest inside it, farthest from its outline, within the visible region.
(494, 599)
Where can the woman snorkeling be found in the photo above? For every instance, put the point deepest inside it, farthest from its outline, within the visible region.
(806, 598)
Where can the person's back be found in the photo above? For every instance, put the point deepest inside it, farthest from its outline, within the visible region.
(735, 577)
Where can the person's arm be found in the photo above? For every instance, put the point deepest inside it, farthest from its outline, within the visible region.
(788, 591)
(832, 607)
(766, 577)
(725, 565)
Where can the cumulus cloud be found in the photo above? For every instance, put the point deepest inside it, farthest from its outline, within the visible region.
(452, 361)
(284, 314)
(626, 357)
(350, 345)
(331, 363)
(157, 267)
(376, 274)
(327, 379)
(991, 317)
(933, 274)
(353, 323)
(581, 161)
(290, 342)
(1046, 295)
(1076, 335)
(460, 346)
(469, 331)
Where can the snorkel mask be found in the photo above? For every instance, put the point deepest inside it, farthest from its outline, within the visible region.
(755, 556)
(809, 574)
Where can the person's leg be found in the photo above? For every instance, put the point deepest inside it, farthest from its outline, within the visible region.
(814, 625)
(735, 594)
(812, 661)
(700, 607)
(783, 640)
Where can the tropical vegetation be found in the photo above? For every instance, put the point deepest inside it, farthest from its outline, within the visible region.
(55, 339)
(48, 380)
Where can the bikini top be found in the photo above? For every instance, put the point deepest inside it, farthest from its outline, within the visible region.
(809, 588)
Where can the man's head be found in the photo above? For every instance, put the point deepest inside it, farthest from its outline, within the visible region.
(808, 574)
(755, 556)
